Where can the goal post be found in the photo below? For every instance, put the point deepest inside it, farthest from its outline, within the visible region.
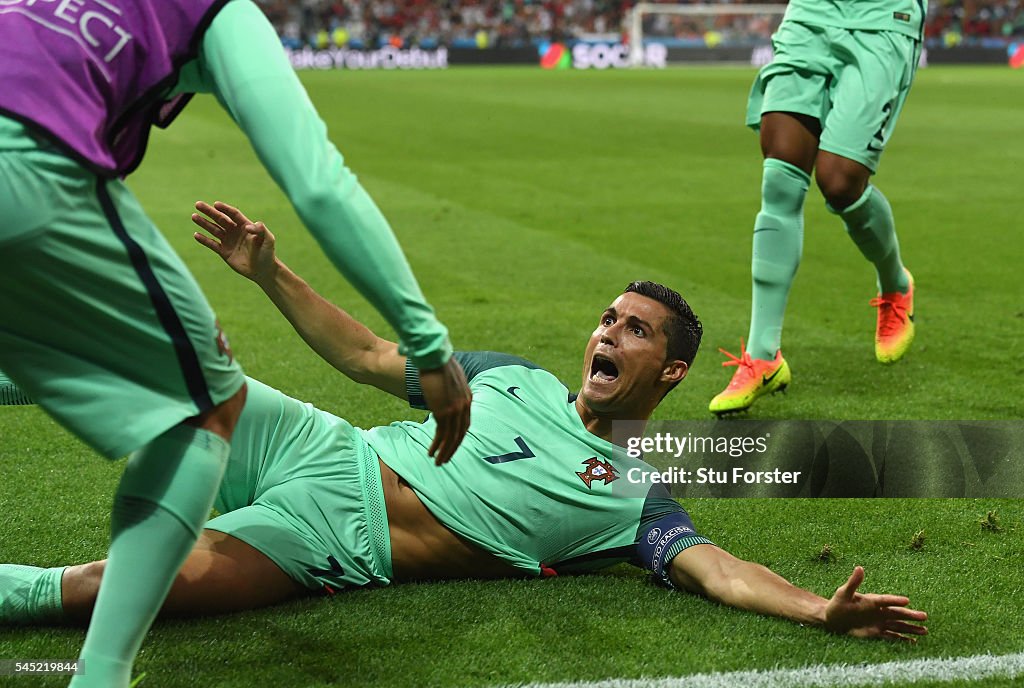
(706, 26)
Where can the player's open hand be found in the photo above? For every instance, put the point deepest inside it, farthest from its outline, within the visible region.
(872, 616)
(246, 246)
(448, 398)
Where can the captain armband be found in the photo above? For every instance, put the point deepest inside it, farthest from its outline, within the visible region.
(663, 539)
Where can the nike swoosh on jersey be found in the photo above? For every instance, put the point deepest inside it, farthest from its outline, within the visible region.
(512, 390)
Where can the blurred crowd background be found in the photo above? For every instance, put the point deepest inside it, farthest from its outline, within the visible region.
(367, 24)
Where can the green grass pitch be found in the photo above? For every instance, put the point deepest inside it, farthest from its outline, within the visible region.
(525, 201)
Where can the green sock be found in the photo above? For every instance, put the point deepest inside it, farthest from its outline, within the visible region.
(30, 595)
(870, 224)
(778, 243)
(163, 501)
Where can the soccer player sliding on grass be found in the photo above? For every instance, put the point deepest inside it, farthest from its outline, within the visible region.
(101, 322)
(827, 103)
(311, 504)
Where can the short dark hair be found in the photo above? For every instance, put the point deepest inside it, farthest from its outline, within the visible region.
(682, 328)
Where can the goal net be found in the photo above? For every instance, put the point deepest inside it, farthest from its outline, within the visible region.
(702, 33)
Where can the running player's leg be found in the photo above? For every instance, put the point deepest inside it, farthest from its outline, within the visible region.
(867, 215)
(786, 104)
(164, 496)
(789, 142)
(101, 324)
(870, 93)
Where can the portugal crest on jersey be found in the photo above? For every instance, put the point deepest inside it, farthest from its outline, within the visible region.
(597, 470)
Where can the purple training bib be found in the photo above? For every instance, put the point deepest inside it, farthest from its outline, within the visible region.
(90, 73)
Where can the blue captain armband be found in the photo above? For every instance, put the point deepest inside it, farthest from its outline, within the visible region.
(661, 540)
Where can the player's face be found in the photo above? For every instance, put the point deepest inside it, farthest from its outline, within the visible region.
(624, 367)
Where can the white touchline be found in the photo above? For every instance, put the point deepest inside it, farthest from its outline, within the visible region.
(973, 668)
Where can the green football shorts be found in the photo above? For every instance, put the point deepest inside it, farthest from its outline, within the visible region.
(303, 488)
(100, 321)
(853, 82)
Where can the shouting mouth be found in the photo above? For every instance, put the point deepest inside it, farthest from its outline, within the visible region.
(602, 369)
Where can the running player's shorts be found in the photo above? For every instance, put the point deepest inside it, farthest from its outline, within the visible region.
(853, 82)
(100, 321)
(303, 488)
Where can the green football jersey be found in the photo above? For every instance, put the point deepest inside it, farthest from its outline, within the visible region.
(529, 483)
(902, 16)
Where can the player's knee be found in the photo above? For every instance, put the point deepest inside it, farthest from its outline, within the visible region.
(221, 419)
(783, 188)
(841, 184)
(86, 577)
(80, 586)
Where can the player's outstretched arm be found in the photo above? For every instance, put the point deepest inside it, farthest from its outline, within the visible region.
(711, 571)
(341, 340)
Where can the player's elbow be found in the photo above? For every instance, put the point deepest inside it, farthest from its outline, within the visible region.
(358, 373)
(357, 365)
(315, 202)
(370, 363)
(323, 197)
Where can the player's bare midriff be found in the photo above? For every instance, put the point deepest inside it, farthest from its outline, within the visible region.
(422, 548)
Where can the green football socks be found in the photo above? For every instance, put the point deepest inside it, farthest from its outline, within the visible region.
(164, 498)
(29, 595)
(778, 244)
(870, 224)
